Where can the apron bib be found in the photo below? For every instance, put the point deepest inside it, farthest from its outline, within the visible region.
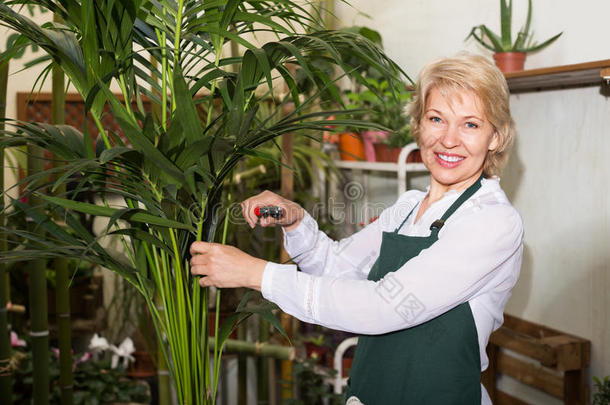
(437, 362)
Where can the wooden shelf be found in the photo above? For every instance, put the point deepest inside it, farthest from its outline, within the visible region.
(578, 75)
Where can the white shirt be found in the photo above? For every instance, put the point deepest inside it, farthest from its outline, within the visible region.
(476, 259)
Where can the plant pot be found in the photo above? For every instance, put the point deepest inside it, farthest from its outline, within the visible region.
(415, 157)
(371, 138)
(143, 366)
(351, 146)
(384, 153)
(346, 366)
(509, 61)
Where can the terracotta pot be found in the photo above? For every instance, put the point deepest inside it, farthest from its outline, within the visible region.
(370, 138)
(415, 157)
(509, 61)
(384, 153)
(346, 366)
(143, 366)
(351, 146)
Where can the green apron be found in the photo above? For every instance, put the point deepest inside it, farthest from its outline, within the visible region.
(436, 362)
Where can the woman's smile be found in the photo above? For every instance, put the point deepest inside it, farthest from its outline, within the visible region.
(448, 160)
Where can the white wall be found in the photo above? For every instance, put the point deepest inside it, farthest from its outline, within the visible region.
(558, 176)
(417, 31)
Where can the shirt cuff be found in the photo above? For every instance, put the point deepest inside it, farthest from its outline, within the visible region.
(267, 283)
(301, 238)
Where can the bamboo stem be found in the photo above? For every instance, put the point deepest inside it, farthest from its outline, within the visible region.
(6, 373)
(242, 368)
(39, 324)
(62, 277)
(287, 187)
(234, 346)
(263, 365)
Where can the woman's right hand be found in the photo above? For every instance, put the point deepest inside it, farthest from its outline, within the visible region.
(292, 213)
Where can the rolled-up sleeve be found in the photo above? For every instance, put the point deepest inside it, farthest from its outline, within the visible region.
(474, 253)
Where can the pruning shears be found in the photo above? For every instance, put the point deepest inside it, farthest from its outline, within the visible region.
(273, 211)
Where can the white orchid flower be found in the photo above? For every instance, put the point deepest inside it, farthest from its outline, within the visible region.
(98, 344)
(124, 351)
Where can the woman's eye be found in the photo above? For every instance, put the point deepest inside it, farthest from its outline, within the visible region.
(471, 125)
(435, 119)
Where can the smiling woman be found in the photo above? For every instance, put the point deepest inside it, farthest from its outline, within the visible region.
(443, 264)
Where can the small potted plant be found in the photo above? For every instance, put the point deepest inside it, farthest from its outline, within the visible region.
(385, 108)
(509, 55)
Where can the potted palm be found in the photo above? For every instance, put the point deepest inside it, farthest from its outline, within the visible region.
(509, 55)
(163, 187)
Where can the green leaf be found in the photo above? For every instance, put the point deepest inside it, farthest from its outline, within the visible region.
(192, 154)
(186, 112)
(97, 210)
(506, 12)
(265, 156)
(139, 140)
(144, 236)
(493, 38)
(110, 154)
(264, 310)
(542, 45)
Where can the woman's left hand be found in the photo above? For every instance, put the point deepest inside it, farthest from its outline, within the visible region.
(225, 266)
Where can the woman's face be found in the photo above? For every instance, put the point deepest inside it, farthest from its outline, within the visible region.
(454, 139)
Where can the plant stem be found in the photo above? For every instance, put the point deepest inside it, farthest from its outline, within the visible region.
(6, 374)
(217, 353)
(177, 32)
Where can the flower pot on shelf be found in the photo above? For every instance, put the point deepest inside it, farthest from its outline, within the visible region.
(371, 138)
(384, 153)
(143, 366)
(351, 146)
(509, 61)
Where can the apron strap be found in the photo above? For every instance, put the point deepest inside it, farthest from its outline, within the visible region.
(405, 220)
(438, 224)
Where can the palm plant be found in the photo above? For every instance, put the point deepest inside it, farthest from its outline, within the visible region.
(170, 168)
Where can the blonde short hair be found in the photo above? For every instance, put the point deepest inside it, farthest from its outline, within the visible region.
(477, 74)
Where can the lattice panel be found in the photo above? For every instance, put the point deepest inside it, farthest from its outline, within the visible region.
(38, 109)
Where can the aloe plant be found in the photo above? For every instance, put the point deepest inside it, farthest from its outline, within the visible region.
(170, 168)
(524, 41)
